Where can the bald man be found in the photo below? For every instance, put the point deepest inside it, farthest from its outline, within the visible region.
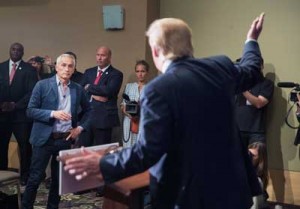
(102, 84)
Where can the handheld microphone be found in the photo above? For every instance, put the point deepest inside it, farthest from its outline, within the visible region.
(287, 84)
(126, 97)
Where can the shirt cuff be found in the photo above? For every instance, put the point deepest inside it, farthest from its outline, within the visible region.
(250, 39)
(80, 127)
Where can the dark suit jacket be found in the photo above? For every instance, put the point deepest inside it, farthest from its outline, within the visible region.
(77, 76)
(105, 114)
(188, 135)
(45, 99)
(19, 91)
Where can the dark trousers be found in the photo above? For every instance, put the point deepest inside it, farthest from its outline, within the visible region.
(94, 136)
(21, 132)
(40, 159)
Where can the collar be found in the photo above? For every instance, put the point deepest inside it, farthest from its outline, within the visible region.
(58, 82)
(103, 69)
(11, 62)
(165, 65)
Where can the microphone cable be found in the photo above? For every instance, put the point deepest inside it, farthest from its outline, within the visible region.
(287, 116)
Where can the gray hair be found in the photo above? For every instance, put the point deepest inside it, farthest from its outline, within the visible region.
(58, 60)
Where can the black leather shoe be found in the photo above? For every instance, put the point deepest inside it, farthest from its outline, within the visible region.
(99, 194)
(82, 192)
(100, 191)
(23, 183)
(23, 180)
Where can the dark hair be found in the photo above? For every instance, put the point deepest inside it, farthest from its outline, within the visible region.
(142, 62)
(262, 161)
(72, 53)
(39, 59)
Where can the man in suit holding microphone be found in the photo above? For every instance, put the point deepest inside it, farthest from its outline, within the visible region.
(188, 135)
(54, 107)
(17, 79)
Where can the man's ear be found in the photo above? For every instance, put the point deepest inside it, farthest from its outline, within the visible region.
(155, 51)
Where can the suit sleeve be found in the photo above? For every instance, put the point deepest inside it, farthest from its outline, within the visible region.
(34, 110)
(153, 142)
(248, 71)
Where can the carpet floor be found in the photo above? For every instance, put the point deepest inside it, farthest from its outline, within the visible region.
(70, 201)
(83, 201)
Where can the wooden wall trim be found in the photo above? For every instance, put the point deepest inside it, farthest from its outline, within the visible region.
(13, 158)
(284, 186)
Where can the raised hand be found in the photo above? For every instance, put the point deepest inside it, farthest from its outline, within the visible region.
(256, 27)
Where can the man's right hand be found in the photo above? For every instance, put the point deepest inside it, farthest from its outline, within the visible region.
(85, 165)
(100, 98)
(256, 27)
(61, 115)
(8, 106)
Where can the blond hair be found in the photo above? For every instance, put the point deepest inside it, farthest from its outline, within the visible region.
(171, 35)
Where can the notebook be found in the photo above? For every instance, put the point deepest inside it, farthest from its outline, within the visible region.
(68, 183)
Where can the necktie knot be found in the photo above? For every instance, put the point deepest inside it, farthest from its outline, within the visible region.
(99, 74)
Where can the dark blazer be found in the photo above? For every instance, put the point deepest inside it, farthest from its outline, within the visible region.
(105, 114)
(188, 135)
(45, 99)
(19, 91)
(77, 76)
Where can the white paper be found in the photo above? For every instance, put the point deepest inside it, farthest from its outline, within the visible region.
(68, 183)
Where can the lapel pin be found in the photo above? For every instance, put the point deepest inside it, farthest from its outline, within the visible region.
(106, 73)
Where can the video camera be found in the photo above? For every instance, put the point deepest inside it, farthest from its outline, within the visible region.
(131, 107)
(295, 89)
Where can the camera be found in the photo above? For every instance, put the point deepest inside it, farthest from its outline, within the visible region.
(293, 96)
(295, 89)
(131, 107)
